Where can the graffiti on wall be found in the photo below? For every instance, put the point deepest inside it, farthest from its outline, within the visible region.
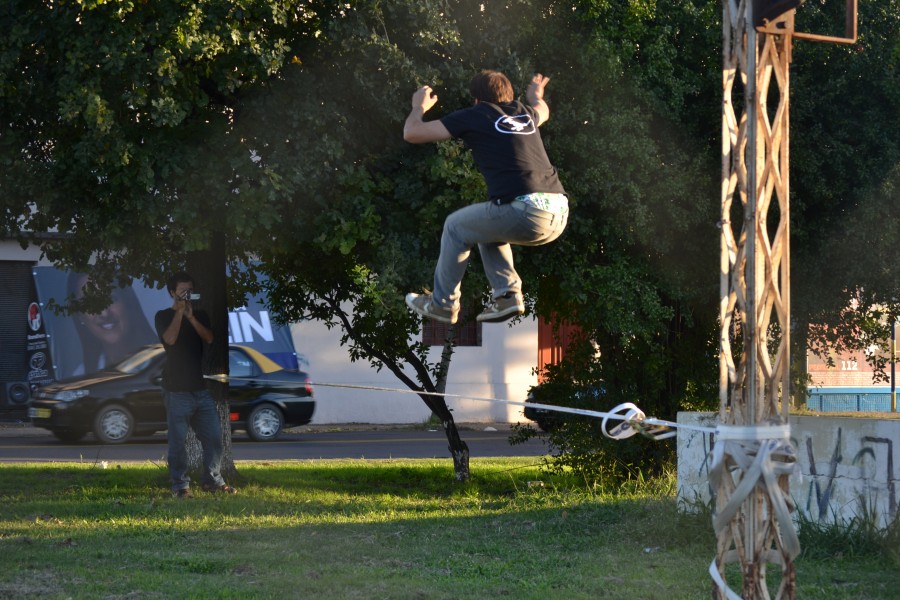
(847, 467)
(866, 472)
(84, 343)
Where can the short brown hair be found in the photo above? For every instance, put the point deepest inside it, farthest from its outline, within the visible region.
(175, 279)
(491, 86)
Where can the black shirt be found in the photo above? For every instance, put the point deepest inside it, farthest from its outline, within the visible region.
(507, 148)
(184, 359)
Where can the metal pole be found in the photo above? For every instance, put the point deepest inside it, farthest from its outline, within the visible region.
(751, 340)
(894, 364)
(751, 220)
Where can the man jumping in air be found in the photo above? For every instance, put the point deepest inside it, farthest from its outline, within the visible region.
(526, 204)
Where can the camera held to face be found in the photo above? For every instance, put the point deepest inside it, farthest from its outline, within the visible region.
(190, 296)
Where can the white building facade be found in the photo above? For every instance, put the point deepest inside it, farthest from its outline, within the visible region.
(502, 367)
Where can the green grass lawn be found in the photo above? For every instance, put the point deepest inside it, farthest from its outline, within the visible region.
(371, 529)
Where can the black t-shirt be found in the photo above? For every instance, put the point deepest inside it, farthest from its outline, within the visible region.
(184, 359)
(507, 148)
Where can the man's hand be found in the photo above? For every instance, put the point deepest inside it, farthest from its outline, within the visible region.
(417, 131)
(536, 87)
(188, 308)
(535, 96)
(184, 306)
(424, 98)
(179, 305)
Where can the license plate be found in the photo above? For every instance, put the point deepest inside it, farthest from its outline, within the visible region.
(39, 413)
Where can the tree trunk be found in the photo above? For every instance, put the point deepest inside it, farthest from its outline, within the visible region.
(207, 267)
(433, 396)
(440, 382)
(458, 448)
(446, 355)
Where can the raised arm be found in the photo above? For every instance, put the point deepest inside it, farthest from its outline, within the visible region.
(415, 129)
(535, 97)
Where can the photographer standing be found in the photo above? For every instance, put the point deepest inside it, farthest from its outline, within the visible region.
(183, 331)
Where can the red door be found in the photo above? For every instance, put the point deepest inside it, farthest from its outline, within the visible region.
(553, 338)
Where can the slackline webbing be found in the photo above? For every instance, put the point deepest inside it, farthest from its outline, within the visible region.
(633, 420)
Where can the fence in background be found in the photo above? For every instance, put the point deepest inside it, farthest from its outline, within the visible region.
(849, 399)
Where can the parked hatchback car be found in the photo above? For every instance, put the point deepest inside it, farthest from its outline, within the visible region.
(126, 400)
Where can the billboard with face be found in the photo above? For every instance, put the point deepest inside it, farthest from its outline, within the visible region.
(82, 343)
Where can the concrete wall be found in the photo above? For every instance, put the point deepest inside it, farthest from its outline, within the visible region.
(849, 466)
(500, 368)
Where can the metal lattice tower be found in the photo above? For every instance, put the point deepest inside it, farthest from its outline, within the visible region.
(755, 291)
(753, 457)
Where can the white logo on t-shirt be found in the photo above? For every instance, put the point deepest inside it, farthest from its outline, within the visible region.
(516, 124)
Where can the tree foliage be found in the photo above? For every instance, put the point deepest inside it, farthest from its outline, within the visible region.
(147, 131)
(116, 118)
(365, 210)
(117, 137)
(844, 175)
(845, 158)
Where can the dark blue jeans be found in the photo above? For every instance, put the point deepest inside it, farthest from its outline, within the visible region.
(197, 410)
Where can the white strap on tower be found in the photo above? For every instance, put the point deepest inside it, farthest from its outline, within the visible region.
(762, 453)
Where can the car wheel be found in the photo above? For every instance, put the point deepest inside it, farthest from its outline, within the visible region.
(265, 423)
(113, 424)
(69, 436)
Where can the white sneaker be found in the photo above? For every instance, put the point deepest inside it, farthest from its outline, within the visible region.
(503, 308)
(423, 305)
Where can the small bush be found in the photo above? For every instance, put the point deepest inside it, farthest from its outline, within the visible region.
(578, 446)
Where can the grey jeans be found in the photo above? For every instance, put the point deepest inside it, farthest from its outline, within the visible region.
(492, 228)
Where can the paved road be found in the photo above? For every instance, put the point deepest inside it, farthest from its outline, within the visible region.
(27, 444)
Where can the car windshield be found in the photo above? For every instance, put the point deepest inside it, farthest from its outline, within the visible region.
(138, 362)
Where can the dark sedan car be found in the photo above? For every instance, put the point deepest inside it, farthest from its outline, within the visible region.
(547, 394)
(126, 400)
